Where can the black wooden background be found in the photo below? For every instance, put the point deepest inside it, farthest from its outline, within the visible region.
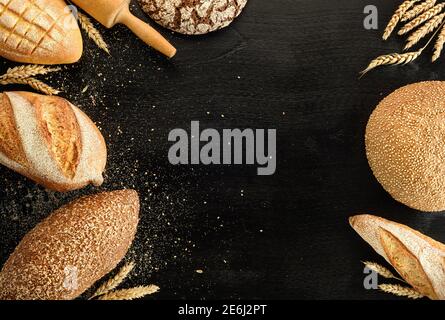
(284, 64)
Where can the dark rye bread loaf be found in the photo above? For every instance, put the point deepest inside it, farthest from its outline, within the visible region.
(193, 16)
(74, 247)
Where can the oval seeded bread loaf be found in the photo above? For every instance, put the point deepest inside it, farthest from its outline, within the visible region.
(39, 31)
(50, 141)
(74, 247)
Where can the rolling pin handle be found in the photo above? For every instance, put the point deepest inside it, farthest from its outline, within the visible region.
(146, 33)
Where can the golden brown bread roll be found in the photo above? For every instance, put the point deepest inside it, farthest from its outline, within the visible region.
(418, 259)
(405, 145)
(50, 141)
(74, 247)
(39, 31)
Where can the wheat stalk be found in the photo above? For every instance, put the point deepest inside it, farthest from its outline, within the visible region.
(438, 46)
(418, 9)
(130, 294)
(381, 270)
(427, 28)
(27, 71)
(115, 281)
(421, 19)
(33, 83)
(396, 17)
(398, 58)
(392, 59)
(92, 32)
(400, 291)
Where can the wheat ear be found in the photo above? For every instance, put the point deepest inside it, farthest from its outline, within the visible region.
(115, 281)
(92, 32)
(418, 9)
(397, 58)
(381, 270)
(400, 291)
(392, 59)
(27, 71)
(438, 46)
(421, 19)
(130, 294)
(396, 17)
(33, 83)
(427, 28)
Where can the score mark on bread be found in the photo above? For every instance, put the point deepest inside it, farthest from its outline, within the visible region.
(50, 141)
(10, 144)
(61, 131)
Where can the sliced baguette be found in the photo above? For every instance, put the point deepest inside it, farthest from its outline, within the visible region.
(418, 259)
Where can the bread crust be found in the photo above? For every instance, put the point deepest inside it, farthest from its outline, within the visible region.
(72, 156)
(72, 248)
(193, 16)
(405, 145)
(39, 32)
(418, 259)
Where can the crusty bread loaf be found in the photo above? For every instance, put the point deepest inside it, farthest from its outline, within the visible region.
(50, 141)
(74, 247)
(405, 145)
(418, 259)
(193, 16)
(39, 31)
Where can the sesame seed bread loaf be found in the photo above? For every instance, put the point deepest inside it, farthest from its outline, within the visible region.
(50, 141)
(193, 16)
(418, 259)
(39, 31)
(71, 249)
(405, 145)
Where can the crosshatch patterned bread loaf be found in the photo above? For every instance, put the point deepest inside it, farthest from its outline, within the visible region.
(193, 16)
(50, 141)
(74, 247)
(418, 259)
(39, 31)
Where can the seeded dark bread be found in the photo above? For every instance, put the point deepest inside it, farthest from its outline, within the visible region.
(193, 16)
(74, 247)
(405, 145)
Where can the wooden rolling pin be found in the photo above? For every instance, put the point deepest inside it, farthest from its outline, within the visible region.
(111, 12)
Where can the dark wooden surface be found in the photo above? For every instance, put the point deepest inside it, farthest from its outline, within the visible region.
(284, 64)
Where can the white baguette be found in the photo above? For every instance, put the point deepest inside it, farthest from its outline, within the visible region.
(418, 259)
(50, 141)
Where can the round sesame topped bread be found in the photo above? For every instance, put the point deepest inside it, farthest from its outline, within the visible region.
(74, 247)
(50, 141)
(193, 16)
(405, 145)
(39, 31)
